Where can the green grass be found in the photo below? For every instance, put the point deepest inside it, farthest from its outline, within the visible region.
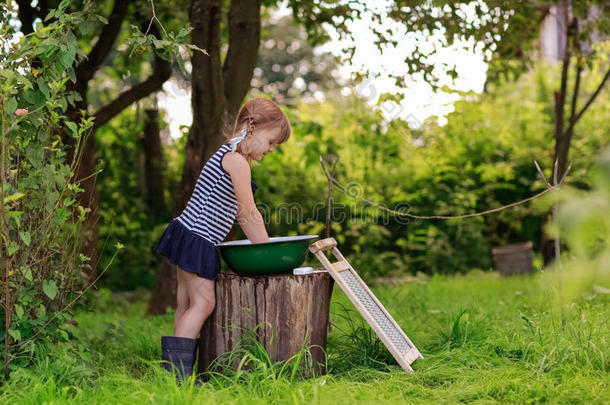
(484, 339)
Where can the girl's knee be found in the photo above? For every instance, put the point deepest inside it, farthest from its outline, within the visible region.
(211, 304)
(204, 305)
(203, 298)
(200, 292)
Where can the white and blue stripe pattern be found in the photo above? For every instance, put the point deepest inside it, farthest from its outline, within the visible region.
(212, 208)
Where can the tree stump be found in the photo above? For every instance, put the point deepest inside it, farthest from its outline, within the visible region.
(295, 306)
(514, 259)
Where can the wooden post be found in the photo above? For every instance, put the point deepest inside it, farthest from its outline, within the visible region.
(296, 306)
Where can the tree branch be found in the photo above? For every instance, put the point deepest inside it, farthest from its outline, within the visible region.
(560, 99)
(86, 69)
(590, 101)
(579, 68)
(161, 72)
(569, 132)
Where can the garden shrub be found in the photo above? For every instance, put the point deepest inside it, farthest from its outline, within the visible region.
(40, 220)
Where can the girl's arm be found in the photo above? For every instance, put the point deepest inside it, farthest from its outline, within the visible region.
(248, 217)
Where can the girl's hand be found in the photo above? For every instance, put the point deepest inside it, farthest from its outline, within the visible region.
(248, 217)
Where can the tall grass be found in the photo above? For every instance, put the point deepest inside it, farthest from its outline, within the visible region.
(484, 339)
(250, 364)
(356, 344)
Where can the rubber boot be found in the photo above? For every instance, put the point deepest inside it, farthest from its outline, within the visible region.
(200, 378)
(178, 355)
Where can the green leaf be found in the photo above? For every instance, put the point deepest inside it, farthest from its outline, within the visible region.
(25, 237)
(12, 248)
(70, 100)
(9, 74)
(81, 215)
(11, 106)
(102, 19)
(34, 97)
(72, 127)
(64, 334)
(42, 312)
(191, 46)
(18, 310)
(44, 87)
(28, 274)
(49, 288)
(15, 215)
(66, 58)
(163, 54)
(161, 43)
(181, 65)
(183, 32)
(51, 198)
(62, 102)
(43, 49)
(62, 214)
(13, 197)
(35, 155)
(59, 69)
(15, 334)
(71, 75)
(50, 15)
(84, 28)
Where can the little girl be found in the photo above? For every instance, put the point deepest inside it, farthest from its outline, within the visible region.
(223, 192)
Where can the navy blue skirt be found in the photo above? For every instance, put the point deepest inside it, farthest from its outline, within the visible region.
(189, 251)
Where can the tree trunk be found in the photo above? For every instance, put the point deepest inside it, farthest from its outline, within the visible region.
(562, 141)
(153, 163)
(163, 294)
(562, 149)
(292, 310)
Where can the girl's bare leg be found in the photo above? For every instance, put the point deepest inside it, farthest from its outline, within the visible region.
(182, 297)
(202, 300)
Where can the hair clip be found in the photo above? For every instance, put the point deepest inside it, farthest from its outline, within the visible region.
(238, 139)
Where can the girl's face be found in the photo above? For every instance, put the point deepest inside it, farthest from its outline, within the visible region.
(263, 142)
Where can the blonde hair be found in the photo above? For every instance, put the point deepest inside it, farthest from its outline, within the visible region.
(261, 113)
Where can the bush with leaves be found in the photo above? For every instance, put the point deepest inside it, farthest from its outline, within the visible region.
(40, 221)
(481, 159)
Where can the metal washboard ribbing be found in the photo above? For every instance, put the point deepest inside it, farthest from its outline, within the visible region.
(392, 336)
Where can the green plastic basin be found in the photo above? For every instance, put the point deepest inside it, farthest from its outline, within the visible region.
(280, 255)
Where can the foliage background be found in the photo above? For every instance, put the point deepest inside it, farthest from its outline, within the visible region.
(481, 159)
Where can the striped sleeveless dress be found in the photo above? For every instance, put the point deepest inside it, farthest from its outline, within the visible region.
(190, 239)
